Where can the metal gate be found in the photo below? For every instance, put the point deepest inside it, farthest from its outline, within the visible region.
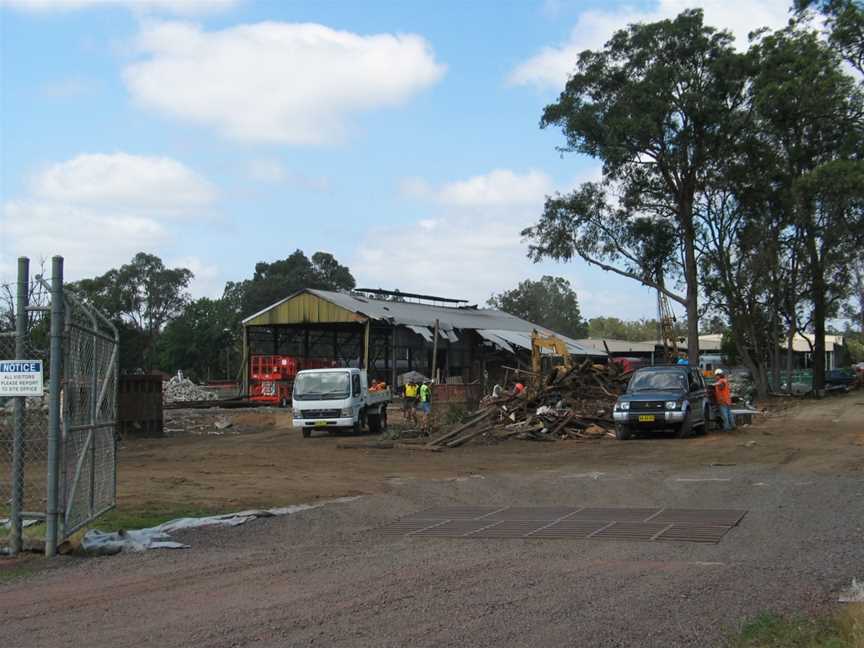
(89, 415)
(59, 463)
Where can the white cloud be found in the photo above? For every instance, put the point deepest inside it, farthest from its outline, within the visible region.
(472, 246)
(122, 181)
(208, 281)
(177, 7)
(294, 83)
(275, 172)
(98, 210)
(500, 187)
(552, 66)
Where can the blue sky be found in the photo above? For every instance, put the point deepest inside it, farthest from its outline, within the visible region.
(401, 137)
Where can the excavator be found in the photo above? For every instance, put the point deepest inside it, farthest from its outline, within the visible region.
(539, 342)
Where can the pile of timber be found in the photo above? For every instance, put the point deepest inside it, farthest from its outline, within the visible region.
(572, 404)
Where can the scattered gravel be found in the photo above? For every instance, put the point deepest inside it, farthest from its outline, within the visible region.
(327, 577)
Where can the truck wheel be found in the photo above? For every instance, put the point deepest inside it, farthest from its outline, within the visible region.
(306, 433)
(623, 432)
(686, 428)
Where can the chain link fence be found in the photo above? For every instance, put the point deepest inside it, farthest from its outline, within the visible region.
(57, 451)
(89, 416)
(25, 478)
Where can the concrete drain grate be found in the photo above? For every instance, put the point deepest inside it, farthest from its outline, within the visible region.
(574, 522)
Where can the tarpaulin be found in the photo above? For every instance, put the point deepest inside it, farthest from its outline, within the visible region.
(102, 543)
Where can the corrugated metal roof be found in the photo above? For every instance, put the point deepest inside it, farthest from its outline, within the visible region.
(617, 346)
(420, 315)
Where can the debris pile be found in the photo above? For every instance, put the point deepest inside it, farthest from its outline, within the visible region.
(180, 422)
(570, 404)
(180, 389)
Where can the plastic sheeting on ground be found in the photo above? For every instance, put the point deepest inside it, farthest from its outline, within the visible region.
(99, 543)
(855, 594)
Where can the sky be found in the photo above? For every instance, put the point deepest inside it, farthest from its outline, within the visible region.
(402, 137)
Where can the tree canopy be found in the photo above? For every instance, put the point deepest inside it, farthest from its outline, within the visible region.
(656, 106)
(549, 302)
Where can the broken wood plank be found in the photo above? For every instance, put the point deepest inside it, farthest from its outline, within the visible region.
(414, 446)
(365, 446)
(461, 428)
(457, 442)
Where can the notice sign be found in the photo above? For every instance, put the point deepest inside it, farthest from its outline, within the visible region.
(20, 377)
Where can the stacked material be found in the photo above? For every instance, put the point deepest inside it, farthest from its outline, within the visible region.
(570, 404)
(180, 389)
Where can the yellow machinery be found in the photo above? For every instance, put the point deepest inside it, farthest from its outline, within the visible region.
(666, 319)
(538, 344)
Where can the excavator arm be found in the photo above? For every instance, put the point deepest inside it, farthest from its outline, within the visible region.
(540, 342)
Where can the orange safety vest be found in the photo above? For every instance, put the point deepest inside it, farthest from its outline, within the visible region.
(723, 392)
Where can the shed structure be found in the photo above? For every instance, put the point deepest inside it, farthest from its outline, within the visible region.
(388, 337)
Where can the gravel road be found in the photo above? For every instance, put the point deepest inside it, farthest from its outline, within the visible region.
(328, 577)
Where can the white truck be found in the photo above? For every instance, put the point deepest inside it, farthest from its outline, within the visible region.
(338, 399)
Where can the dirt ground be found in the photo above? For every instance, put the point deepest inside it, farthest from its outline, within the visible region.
(262, 461)
(329, 577)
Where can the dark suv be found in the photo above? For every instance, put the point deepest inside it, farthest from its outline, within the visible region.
(663, 397)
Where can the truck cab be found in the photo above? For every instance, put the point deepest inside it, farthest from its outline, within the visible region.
(328, 399)
(663, 397)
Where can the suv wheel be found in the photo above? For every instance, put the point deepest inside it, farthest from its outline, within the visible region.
(623, 432)
(686, 427)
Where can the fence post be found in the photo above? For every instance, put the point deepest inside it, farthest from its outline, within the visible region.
(57, 314)
(17, 503)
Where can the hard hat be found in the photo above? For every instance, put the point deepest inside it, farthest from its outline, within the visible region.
(718, 372)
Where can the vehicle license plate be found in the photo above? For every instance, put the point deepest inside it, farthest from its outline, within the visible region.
(320, 423)
(646, 418)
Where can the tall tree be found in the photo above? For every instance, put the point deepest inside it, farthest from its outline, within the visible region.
(811, 115)
(198, 340)
(549, 302)
(274, 281)
(845, 22)
(143, 294)
(656, 105)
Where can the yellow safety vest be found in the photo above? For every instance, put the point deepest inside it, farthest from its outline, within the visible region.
(410, 391)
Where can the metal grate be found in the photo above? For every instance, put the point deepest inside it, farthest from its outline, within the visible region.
(634, 524)
(540, 513)
(615, 514)
(709, 517)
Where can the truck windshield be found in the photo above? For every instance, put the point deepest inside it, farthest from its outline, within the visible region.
(328, 385)
(658, 381)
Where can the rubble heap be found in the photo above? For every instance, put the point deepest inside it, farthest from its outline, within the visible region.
(571, 404)
(180, 389)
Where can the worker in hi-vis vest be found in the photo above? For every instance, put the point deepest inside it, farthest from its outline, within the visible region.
(409, 403)
(723, 395)
(425, 406)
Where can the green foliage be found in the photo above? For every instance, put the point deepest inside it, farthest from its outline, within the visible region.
(549, 302)
(856, 350)
(612, 328)
(141, 297)
(657, 105)
(774, 631)
(148, 516)
(193, 341)
(845, 22)
(274, 281)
